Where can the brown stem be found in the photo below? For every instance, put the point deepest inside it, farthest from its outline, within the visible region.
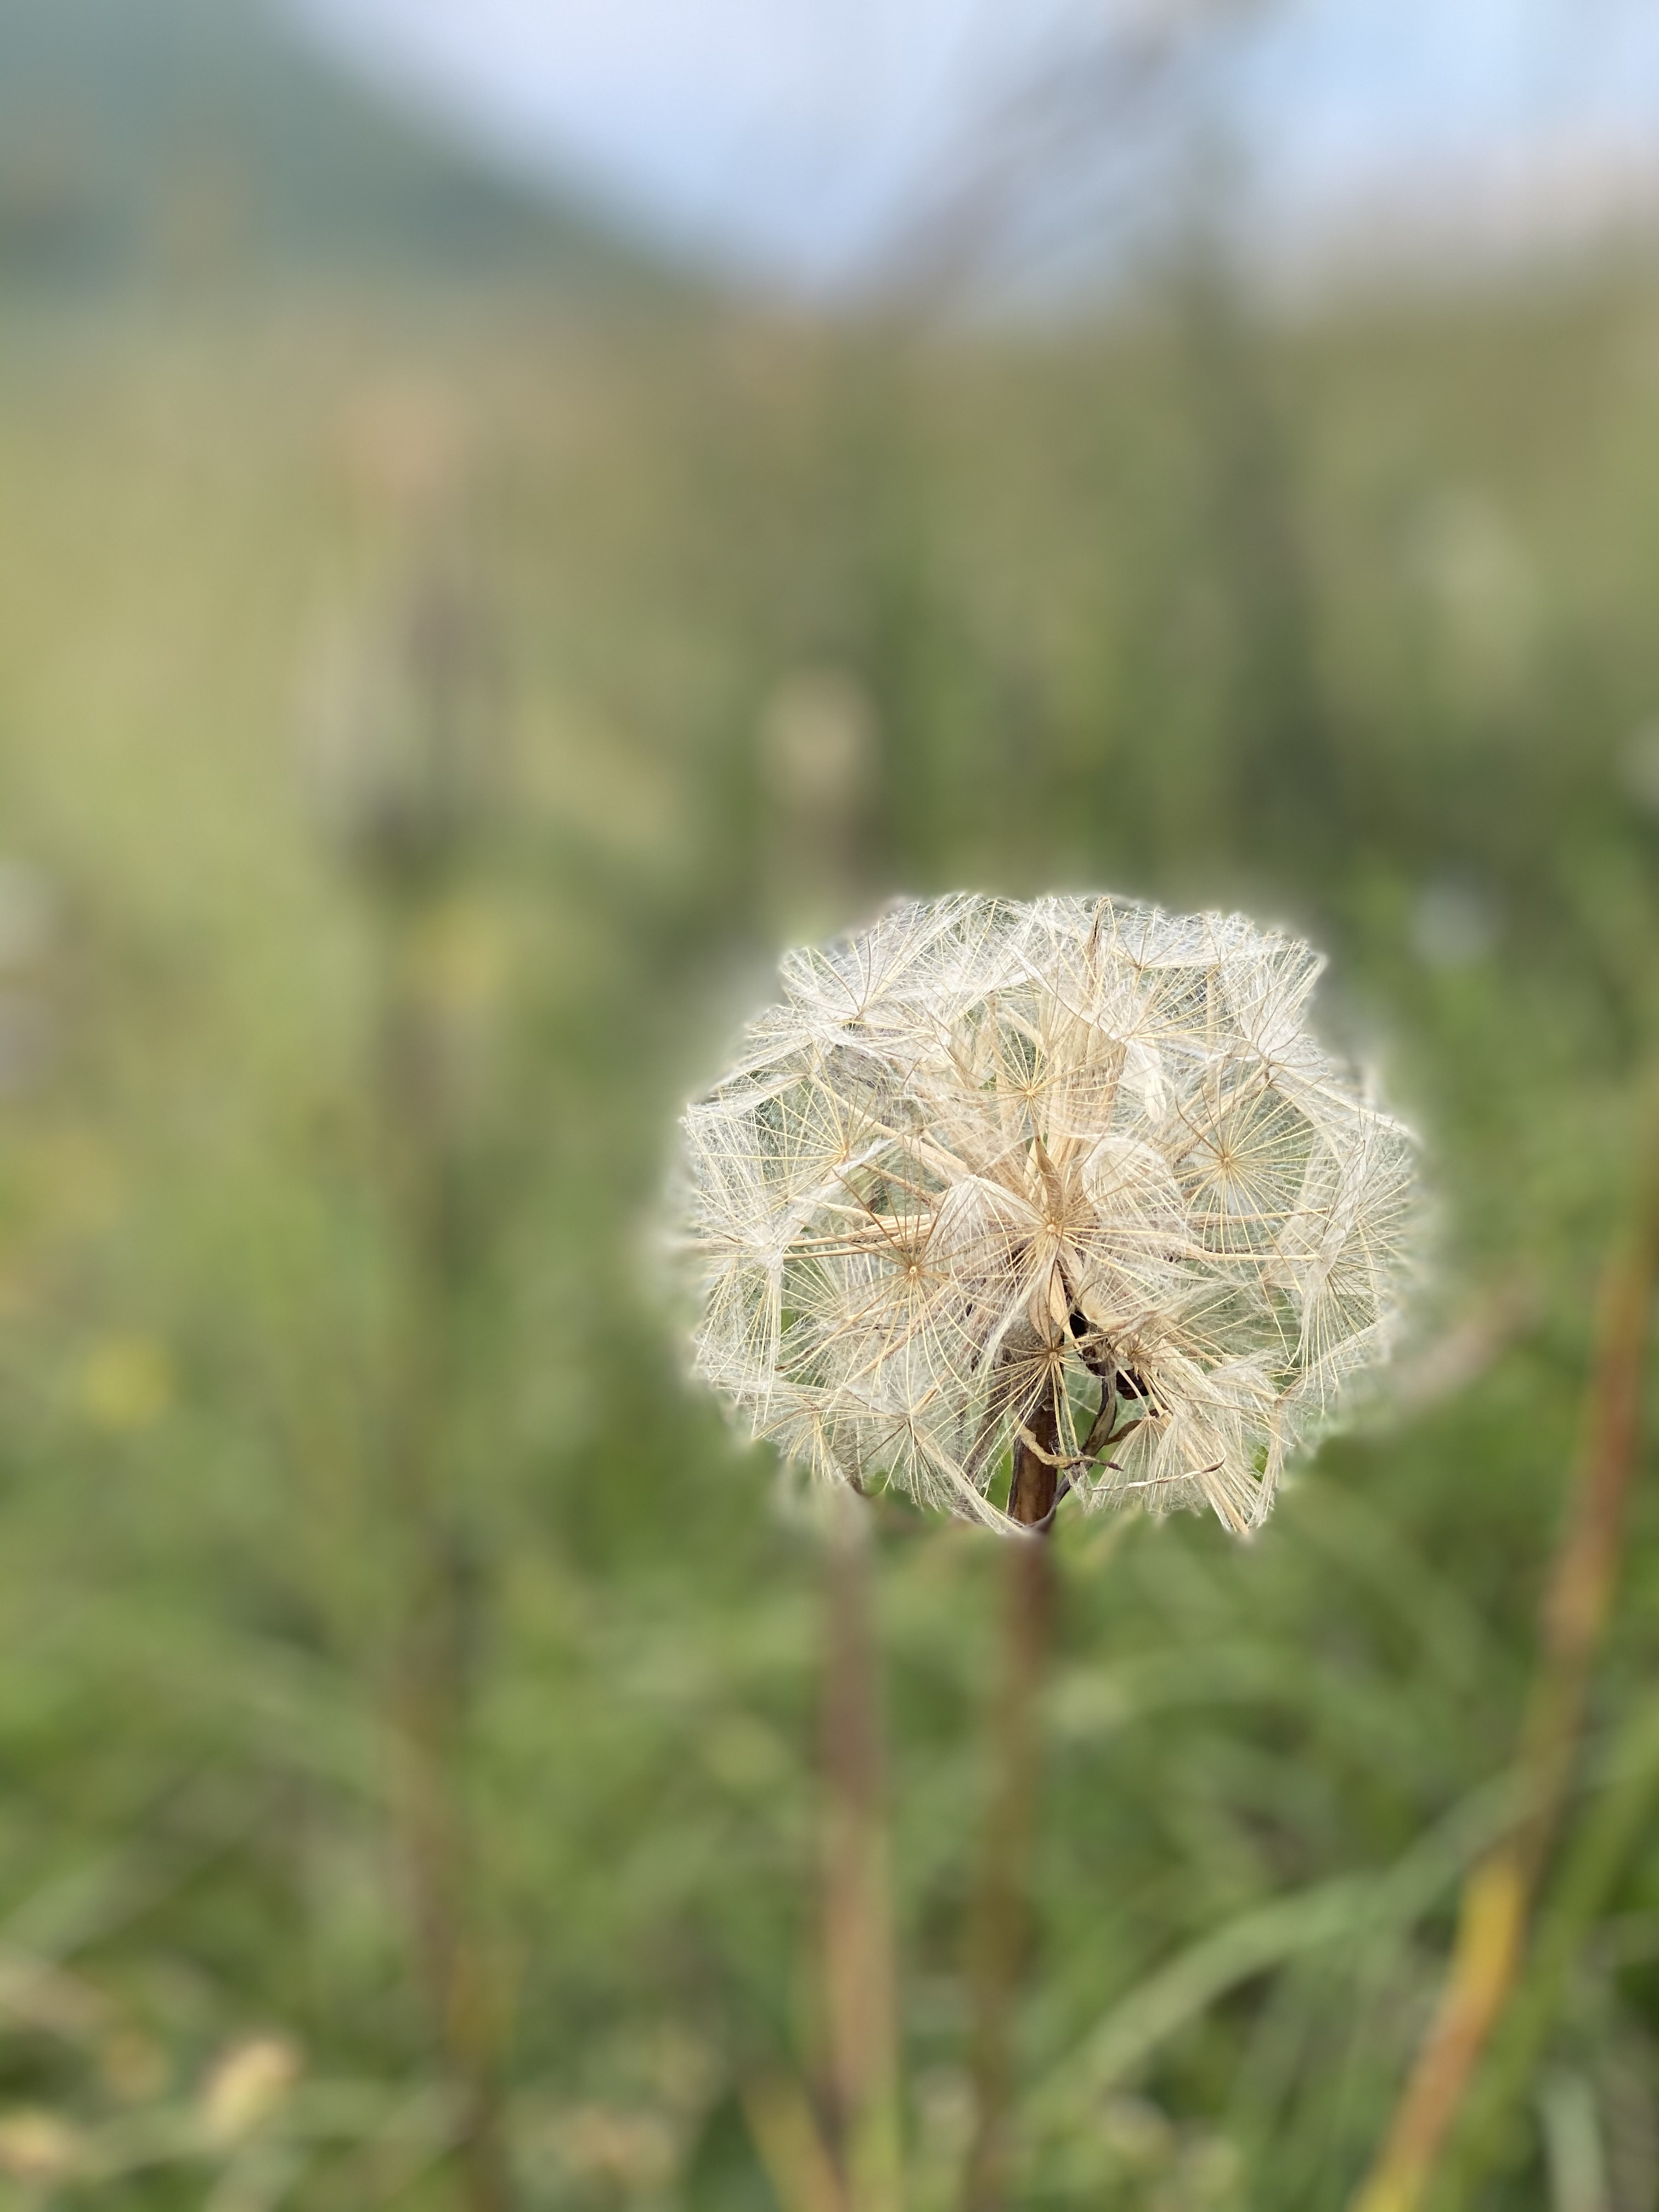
(1035, 1483)
(999, 1925)
(858, 1979)
(1498, 1893)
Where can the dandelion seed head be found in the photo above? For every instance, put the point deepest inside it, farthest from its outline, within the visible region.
(1078, 1163)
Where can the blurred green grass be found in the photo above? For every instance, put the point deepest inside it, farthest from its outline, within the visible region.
(1351, 623)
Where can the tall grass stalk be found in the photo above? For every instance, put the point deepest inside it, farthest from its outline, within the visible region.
(861, 2037)
(1498, 1893)
(1600, 1850)
(436, 1604)
(413, 805)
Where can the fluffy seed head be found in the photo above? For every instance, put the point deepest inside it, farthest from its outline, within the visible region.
(993, 1174)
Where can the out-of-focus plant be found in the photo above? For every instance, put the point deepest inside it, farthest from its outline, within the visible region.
(407, 778)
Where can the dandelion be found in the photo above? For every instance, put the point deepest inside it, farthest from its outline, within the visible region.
(1004, 1202)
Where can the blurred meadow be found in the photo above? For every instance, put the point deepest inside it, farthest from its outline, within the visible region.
(435, 679)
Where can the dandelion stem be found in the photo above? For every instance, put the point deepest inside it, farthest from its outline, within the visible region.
(1498, 1893)
(999, 1926)
(858, 1980)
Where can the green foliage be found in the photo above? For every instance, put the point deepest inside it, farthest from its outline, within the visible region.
(1352, 625)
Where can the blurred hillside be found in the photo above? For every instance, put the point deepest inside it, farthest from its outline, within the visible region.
(199, 141)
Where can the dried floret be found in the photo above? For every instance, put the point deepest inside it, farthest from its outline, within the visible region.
(1062, 1194)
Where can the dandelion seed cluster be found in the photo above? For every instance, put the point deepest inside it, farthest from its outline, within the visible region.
(1069, 1178)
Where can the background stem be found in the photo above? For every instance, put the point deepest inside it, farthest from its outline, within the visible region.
(858, 1980)
(418, 835)
(1498, 1893)
(436, 1629)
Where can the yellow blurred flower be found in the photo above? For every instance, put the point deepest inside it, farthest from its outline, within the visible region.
(127, 1383)
(245, 2085)
(36, 2147)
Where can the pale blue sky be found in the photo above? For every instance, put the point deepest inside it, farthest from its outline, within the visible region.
(795, 140)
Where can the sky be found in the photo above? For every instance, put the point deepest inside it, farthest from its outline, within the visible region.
(797, 143)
